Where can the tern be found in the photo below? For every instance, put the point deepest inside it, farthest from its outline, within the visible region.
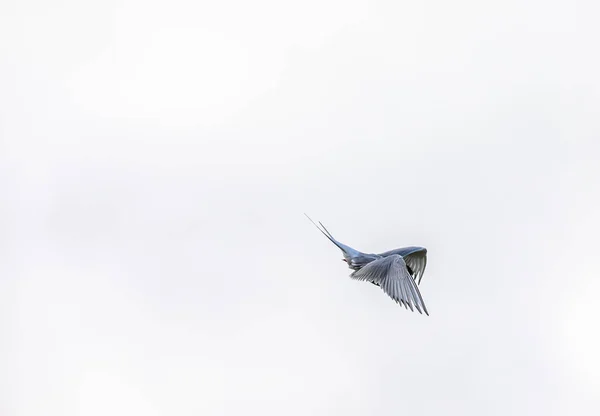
(397, 271)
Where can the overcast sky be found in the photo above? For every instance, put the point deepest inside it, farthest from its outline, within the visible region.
(156, 159)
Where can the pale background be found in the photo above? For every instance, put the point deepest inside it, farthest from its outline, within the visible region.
(156, 159)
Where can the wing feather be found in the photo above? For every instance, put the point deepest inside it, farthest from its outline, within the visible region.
(415, 258)
(392, 275)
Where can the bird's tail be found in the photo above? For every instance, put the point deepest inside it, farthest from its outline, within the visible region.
(349, 252)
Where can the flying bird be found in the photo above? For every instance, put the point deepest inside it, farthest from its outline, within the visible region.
(397, 272)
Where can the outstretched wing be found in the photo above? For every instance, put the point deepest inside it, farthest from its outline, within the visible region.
(391, 274)
(415, 258)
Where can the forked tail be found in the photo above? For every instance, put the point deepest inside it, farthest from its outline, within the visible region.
(349, 252)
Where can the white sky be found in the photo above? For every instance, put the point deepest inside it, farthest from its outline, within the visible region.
(156, 159)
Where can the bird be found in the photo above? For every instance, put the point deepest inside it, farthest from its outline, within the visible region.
(397, 272)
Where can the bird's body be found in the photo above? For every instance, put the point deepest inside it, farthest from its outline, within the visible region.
(397, 271)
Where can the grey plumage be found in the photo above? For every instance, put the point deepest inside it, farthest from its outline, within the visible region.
(397, 271)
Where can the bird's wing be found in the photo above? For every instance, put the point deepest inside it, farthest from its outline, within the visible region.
(391, 274)
(417, 261)
(415, 258)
